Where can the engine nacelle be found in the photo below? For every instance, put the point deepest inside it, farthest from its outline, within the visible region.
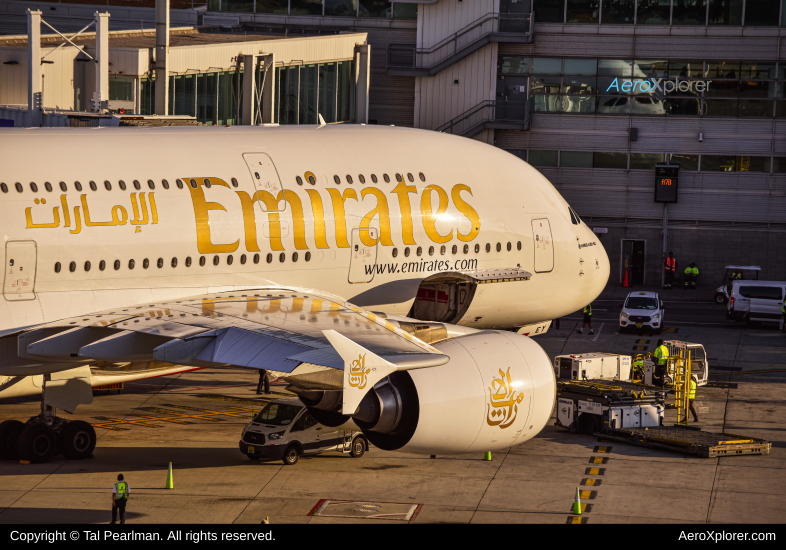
(497, 390)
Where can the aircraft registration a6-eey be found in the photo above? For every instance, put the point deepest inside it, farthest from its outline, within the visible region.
(366, 266)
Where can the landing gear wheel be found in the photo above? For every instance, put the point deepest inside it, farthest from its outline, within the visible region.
(37, 443)
(358, 448)
(291, 456)
(9, 437)
(77, 440)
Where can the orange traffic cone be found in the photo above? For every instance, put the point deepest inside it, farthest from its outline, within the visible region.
(626, 282)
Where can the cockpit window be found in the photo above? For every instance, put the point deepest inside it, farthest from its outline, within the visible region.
(635, 302)
(574, 218)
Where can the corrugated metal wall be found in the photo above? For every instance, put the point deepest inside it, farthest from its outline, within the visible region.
(59, 80)
(391, 99)
(439, 99)
(443, 18)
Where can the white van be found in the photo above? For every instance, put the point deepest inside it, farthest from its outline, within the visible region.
(756, 301)
(285, 430)
(642, 310)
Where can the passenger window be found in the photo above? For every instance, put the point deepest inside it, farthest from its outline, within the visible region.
(72, 267)
(466, 249)
(422, 177)
(230, 259)
(122, 185)
(386, 178)
(395, 252)
(192, 182)
(165, 184)
(48, 187)
(151, 184)
(349, 179)
(510, 247)
(173, 263)
(63, 186)
(57, 267)
(145, 263)
(294, 256)
(454, 249)
(215, 260)
(160, 263)
(137, 186)
(399, 178)
(78, 186)
(406, 252)
(410, 177)
(419, 251)
(442, 249)
(430, 250)
(3, 187)
(131, 264)
(373, 178)
(188, 261)
(282, 257)
(308, 256)
(179, 183)
(87, 266)
(93, 186)
(18, 187)
(242, 259)
(477, 248)
(518, 245)
(256, 258)
(269, 258)
(337, 180)
(499, 247)
(362, 178)
(488, 247)
(234, 182)
(201, 258)
(108, 185)
(33, 187)
(300, 423)
(102, 265)
(117, 265)
(299, 180)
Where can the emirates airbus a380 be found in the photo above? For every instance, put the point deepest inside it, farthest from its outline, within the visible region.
(372, 268)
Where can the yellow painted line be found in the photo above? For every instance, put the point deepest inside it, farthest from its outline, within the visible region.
(587, 495)
(584, 508)
(576, 520)
(598, 460)
(595, 471)
(601, 449)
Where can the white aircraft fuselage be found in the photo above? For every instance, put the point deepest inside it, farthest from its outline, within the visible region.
(419, 203)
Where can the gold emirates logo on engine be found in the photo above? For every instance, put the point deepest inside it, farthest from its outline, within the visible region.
(503, 406)
(358, 373)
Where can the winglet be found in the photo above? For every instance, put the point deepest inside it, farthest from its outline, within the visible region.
(362, 369)
(321, 122)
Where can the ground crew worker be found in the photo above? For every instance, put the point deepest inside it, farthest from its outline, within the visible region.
(587, 319)
(736, 275)
(119, 498)
(661, 355)
(264, 381)
(638, 368)
(691, 397)
(691, 275)
(670, 266)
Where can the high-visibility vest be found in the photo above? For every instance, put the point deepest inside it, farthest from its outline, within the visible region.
(121, 490)
(661, 353)
(671, 264)
(692, 394)
(638, 365)
(691, 271)
(588, 310)
(783, 307)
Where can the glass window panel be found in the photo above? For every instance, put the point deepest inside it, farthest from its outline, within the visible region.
(779, 165)
(651, 69)
(646, 161)
(148, 94)
(611, 85)
(617, 12)
(583, 11)
(545, 84)
(549, 11)
(575, 159)
(579, 103)
(689, 163)
(689, 12)
(613, 105)
(614, 67)
(307, 110)
(720, 107)
(581, 67)
(212, 5)
(288, 87)
(375, 8)
(579, 86)
(752, 164)
(755, 107)
(513, 65)
(268, 6)
(757, 70)
(683, 106)
(207, 97)
(653, 12)
(346, 92)
(610, 160)
(725, 12)
(762, 13)
(520, 153)
(185, 95)
(405, 11)
(171, 94)
(341, 8)
(546, 65)
(687, 69)
(648, 104)
(121, 88)
(722, 69)
(246, 6)
(780, 109)
(228, 103)
(718, 163)
(722, 88)
(756, 89)
(543, 158)
(545, 103)
(328, 74)
(304, 7)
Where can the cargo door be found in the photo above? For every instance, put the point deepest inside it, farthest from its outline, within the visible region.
(265, 178)
(20, 270)
(544, 247)
(363, 260)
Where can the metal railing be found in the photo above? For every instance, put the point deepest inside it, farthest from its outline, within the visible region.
(463, 41)
(488, 114)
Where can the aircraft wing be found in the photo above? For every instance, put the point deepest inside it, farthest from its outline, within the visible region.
(278, 329)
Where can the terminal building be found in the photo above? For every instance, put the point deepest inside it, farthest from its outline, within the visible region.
(594, 93)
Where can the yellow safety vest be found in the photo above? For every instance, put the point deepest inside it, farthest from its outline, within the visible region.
(692, 394)
(783, 307)
(691, 270)
(588, 310)
(638, 365)
(661, 353)
(121, 490)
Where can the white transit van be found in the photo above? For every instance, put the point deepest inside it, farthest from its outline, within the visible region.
(285, 430)
(756, 301)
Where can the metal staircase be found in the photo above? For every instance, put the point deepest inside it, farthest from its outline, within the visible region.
(409, 60)
(498, 115)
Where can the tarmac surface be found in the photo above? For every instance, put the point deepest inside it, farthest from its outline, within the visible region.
(194, 420)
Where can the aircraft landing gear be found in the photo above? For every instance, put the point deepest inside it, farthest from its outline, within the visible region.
(9, 438)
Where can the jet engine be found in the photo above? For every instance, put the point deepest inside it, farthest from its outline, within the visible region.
(497, 390)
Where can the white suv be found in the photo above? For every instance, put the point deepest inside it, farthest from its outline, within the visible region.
(642, 310)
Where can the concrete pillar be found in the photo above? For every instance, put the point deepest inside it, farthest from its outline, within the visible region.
(362, 78)
(34, 67)
(249, 89)
(269, 90)
(162, 57)
(102, 61)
